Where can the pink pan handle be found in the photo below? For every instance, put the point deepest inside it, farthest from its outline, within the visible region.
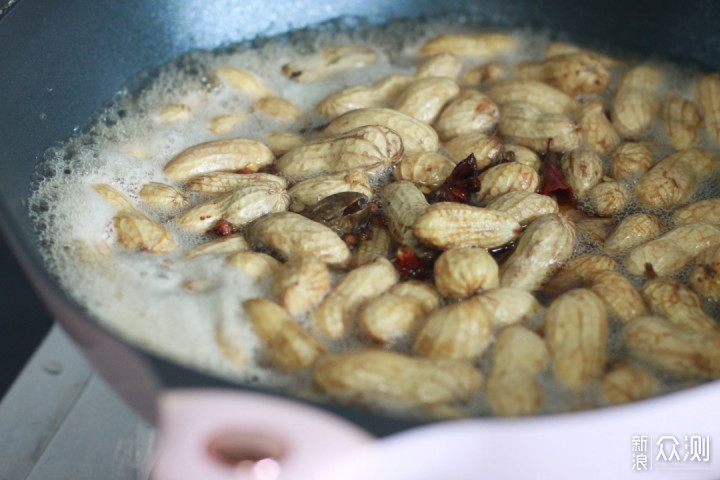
(224, 435)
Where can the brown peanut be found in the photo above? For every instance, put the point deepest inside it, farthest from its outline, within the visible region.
(524, 206)
(679, 304)
(512, 393)
(287, 344)
(576, 329)
(621, 298)
(425, 293)
(520, 349)
(370, 148)
(578, 269)
(403, 204)
(459, 272)
(137, 231)
(608, 198)
(329, 61)
(632, 231)
(243, 80)
(459, 331)
(376, 245)
(669, 253)
(635, 102)
(255, 264)
(534, 92)
(681, 119)
(416, 135)
(385, 376)
(161, 195)
(308, 193)
(230, 154)
(239, 207)
(555, 49)
(300, 283)
(114, 198)
(523, 155)
(511, 387)
(484, 73)
(505, 178)
(479, 44)
(707, 211)
(389, 317)
(583, 170)
(222, 124)
(596, 228)
(667, 347)
(705, 276)
(292, 235)
(279, 107)
(574, 73)
(446, 225)
(223, 245)
(507, 306)
(173, 113)
(529, 126)
(595, 127)
(442, 64)
(223, 182)
(471, 111)
(281, 142)
(486, 149)
(707, 94)
(630, 159)
(424, 169)
(333, 316)
(548, 241)
(675, 178)
(628, 384)
(380, 94)
(425, 97)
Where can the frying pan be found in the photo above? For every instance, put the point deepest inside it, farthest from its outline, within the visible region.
(60, 63)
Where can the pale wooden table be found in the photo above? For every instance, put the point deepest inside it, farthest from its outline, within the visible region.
(61, 421)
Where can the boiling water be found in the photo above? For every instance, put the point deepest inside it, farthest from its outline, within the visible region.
(143, 296)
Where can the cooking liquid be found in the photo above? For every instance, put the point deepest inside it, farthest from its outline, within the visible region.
(143, 296)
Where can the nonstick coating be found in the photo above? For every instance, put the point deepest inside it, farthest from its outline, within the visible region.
(60, 62)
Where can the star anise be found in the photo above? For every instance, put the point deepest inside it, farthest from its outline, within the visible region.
(461, 184)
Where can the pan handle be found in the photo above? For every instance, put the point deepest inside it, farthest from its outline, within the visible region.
(224, 435)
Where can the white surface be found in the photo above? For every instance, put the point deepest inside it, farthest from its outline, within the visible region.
(61, 421)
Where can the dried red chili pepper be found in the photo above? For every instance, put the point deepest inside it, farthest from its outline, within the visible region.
(460, 184)
(223, 228)
(554, 183)
(350, 239)
(409, 265)
(271, 169)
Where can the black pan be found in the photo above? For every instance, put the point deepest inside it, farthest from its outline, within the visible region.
(62, 60)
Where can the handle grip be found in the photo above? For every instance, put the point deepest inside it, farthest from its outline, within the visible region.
(225, 435)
